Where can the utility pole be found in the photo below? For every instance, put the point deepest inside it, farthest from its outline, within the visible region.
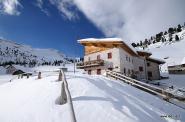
(74, 64)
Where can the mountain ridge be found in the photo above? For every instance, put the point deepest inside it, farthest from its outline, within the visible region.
(11, 51)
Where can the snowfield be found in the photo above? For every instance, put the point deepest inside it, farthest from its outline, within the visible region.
(95, 99)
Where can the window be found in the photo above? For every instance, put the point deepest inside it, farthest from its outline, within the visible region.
(109, 55)
(128, 71)
(148, 64)
(126, 58)
(89, 72)
(140, 69)
(132, 61)
(124, 70)
(149, 74)
(98, 57)
(89, 58)
(132, 71)
(129, 59)
(110, 69)
(98, 71)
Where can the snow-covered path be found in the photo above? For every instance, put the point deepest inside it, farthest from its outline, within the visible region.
(95, 98)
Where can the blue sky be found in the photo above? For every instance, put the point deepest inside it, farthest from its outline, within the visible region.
(59, 23)
(35, 28)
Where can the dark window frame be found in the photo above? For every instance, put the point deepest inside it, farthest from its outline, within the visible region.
(141, 69)
(109, 55)
(150, 74)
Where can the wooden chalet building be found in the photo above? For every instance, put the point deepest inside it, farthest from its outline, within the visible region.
(177, 69)
(114, 54)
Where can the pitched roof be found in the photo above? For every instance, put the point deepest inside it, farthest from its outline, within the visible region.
(156, 60)
(144, 53)
(114, 41)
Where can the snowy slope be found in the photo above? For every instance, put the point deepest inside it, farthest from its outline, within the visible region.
(11, 51)
(2, 70)
(95, 99)
(174, 51)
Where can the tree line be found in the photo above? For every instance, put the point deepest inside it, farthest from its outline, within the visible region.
(167, 36)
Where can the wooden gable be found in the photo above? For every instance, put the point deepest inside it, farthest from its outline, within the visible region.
(98, 46)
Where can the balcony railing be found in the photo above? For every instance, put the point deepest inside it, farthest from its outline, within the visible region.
(92, 63)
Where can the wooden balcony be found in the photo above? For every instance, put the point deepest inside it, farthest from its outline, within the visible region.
(92, 63)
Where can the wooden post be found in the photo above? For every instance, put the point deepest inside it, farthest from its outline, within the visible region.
(60, 76)
(39, 75)
(27, 76)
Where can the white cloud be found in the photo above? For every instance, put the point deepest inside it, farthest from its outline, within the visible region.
(66, 8)
(132, 19)
(39, 4)
(9, 7)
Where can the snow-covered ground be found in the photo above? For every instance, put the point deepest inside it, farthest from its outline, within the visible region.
(95, 98)
(5, 78)
(175, 79)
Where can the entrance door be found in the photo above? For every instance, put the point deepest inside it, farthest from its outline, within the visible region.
(98, 71)
(89, 72)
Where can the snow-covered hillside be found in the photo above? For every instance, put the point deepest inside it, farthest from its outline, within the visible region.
(95, 99)
(11, 51)
(172, 52)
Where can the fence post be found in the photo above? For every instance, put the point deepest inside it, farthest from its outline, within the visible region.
(28, 76)
(60, 76)
(39, 75)
(63, 97)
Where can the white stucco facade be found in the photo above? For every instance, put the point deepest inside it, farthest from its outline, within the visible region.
(121, 61)
(119, 57)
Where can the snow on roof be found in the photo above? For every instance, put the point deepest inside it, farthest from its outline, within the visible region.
(144, 51)
(156, 60)
(24, 69)
(183, 61)
(100, 40)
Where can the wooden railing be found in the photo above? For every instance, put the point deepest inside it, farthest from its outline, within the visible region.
(92, 63)
(144, 86)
